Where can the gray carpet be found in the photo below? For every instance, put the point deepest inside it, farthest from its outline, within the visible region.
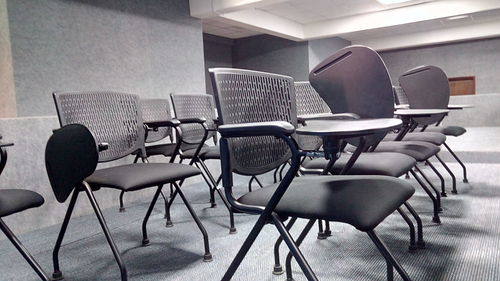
(464, 247)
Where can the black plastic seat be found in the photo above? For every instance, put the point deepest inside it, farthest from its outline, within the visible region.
(166, 150)
(206, 153)
(140, 175)
(436, 138)
(454, 131)
(350, 199)
(419, 150)
(17, 200)
(380, 163)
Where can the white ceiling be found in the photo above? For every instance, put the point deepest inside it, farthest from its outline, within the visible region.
(414, 23)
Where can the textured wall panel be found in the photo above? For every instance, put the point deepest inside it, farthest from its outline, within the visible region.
(218, 53)
(7, 92)
(149, 47)
(320, 49)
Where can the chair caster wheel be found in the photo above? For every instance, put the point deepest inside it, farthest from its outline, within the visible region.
(466, 181)
(233, 230)
(122, 210)
(421, 244)
(207, 257)
(436, 219)
(145, 242)
(278, 270)
(169, 224)
(57, 276)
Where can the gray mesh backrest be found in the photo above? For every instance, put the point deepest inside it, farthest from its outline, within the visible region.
(426, 88)
(245, 96)
(309, 102)
(355, 80)
(194, 106)
(399, 95)
(156, 109)
(114, 118)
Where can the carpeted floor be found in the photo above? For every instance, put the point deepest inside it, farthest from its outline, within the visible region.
(465, 247)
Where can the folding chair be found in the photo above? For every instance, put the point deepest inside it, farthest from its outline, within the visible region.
(115, 119)
(14, 201)
(258, 116)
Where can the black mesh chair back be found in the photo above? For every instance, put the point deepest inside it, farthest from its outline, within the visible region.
(113, 118)
(156, 109)
(71, 155)
(245, 96)
(399, 95)
(309, 102)
(188, 105)
(426, 88)
(355, 80)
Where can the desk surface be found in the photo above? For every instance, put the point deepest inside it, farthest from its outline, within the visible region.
(420, 112)
(459, 106)
(348, 128)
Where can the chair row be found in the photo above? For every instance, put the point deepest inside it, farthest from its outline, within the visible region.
(266, 122)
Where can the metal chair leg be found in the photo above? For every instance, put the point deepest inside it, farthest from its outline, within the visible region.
(166, 203)
(210, 188)
(453, 179)
(57, 274)
(207, 257)
(435, 218)
(122, 206)
(167, 214)
(145, 240)
(321, 232)
(388, 256)
(465, 180)
(443, 189)
(24, 252)
(278, 269)
(299, 241)
(102, 222)
(413, 246)
(420, 228)
(438, 195)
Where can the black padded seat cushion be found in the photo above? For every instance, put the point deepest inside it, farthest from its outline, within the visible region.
(420, 150)
(432, 137)
(373, 163)
(18, 200)
(206, 152)
(454, 131)
(166, 149)
(361, 201)
(141, 175)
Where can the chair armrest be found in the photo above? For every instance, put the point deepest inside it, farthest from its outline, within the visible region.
(5, 144)
(272, 128)
(327, 116)
(162, 123)
(197, 120)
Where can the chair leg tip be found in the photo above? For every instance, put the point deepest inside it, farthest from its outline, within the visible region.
(145, 242)
(440, 210)
(213, 205)
(444, 194)
(328, 233)
(278, 270)
(412, 248)
(122, 210)
(421, 244)
(57, 275)
(322, 236)
(454, 192)
(169, 224)
(436, 219)
(233, 230)
(466, 181)
(207, 257)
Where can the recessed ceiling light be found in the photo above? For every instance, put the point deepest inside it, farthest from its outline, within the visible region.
(390, 2)
(458, 17)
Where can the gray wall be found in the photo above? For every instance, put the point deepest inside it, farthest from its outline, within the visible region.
(7, 94)
(149, 47)
(320, 49)
(476, 58)
(272, 54)
(218, 52)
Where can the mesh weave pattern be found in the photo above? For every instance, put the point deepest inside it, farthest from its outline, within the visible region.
(248, 96)
(309, 102)
(399, 95)
(114, 118)
(156, 109)
(194, 106)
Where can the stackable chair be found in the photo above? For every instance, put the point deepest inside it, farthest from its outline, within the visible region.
(153, 110)
(13, 201)
(114, 122)
(427, 87)
(194, 136)
(309, 105)
(258, 115)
